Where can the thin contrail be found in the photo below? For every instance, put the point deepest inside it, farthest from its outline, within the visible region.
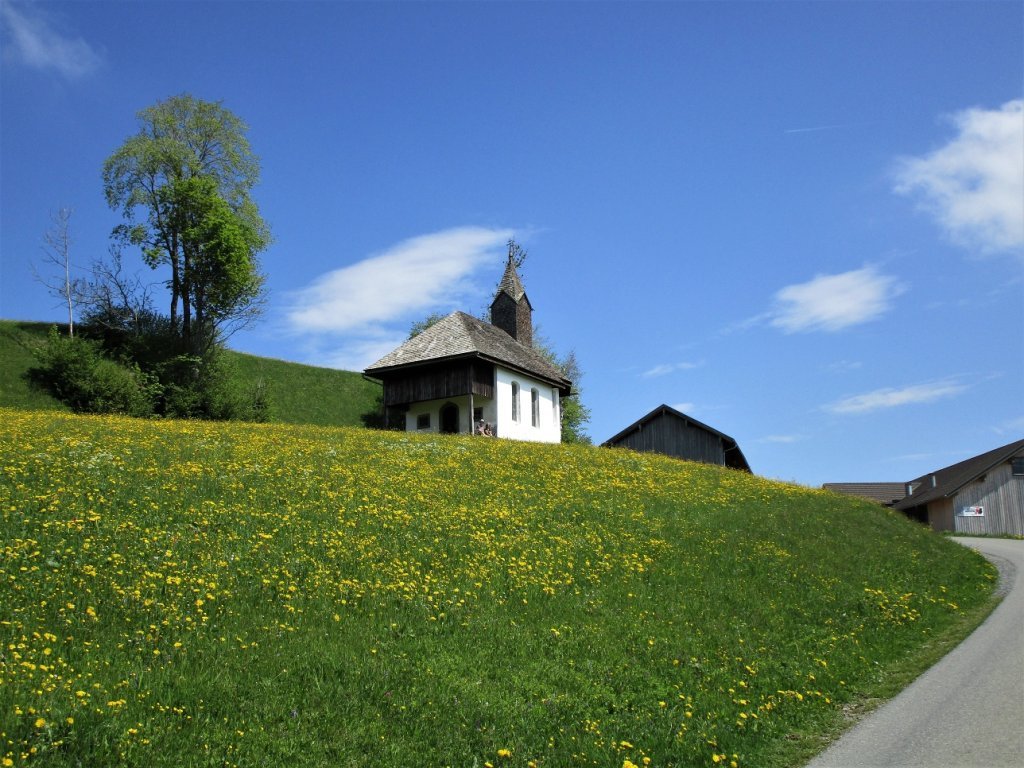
(820, 128)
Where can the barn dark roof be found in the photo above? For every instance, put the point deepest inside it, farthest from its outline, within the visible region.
(459, 336)
(883, 493)
(733, 455)
(946, 482)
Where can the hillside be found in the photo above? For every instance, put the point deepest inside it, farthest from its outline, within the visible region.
(299, 394)
(270, 594)
(305, 394)
(16, 343)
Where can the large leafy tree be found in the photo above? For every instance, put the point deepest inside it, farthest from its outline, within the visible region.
(183, 184)
(220, 282)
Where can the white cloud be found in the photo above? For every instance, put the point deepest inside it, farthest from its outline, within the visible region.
(892, 397)
(666, 368)
(834, 302)
(686, 408)
(974, 185)
(33, 38)
(365, 303)
(415, 275)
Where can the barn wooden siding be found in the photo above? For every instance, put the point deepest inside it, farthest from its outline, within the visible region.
(674, 437)
(672, 433)
(439, 382)
(1001, 493)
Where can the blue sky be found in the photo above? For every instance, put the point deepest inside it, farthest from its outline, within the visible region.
(801, 223)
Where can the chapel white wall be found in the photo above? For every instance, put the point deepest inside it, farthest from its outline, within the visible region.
(550, 428)
(498, 411)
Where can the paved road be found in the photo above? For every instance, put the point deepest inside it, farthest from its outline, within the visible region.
(965, 712)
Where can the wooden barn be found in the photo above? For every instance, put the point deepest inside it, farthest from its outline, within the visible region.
(668, 431)
(981, 495)
(466, 375)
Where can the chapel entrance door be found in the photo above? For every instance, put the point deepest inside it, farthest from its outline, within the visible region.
(450, 418)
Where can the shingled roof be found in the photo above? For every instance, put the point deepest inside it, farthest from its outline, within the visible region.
(883, 493)
(460, 335)
(947, 481)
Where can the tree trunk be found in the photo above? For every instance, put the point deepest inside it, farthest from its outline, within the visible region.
(175, 281)
(186, 298)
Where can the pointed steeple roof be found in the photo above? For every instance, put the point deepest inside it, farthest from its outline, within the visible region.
(511, 284)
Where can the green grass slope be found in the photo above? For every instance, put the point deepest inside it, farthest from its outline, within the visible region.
(184, 593)
(299, 394)
(304, 394)
(17, 340)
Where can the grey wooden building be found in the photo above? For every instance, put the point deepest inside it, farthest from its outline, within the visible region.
(672, 433)
(983, 494)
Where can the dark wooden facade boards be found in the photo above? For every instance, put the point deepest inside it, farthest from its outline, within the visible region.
(667, 431)
(437, 382)
(676, 439)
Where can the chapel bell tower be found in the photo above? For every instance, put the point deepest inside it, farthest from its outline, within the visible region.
(511, 310)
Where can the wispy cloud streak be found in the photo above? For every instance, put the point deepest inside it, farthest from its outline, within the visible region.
(666, 368)
(893, 397)
(834, 302)
(780, 439)
(34, 39)
(352, 315)
(414, 275)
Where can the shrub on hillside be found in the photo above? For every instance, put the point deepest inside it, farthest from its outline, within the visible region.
(192, 384)
(203, 387)
(75, 371)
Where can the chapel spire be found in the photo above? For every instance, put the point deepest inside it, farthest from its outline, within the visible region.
(511, 310)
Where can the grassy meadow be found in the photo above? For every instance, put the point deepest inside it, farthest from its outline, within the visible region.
(196, 594)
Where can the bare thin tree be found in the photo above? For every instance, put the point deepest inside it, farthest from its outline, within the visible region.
(57, 256)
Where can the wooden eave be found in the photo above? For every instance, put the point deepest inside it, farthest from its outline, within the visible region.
(379, 374)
